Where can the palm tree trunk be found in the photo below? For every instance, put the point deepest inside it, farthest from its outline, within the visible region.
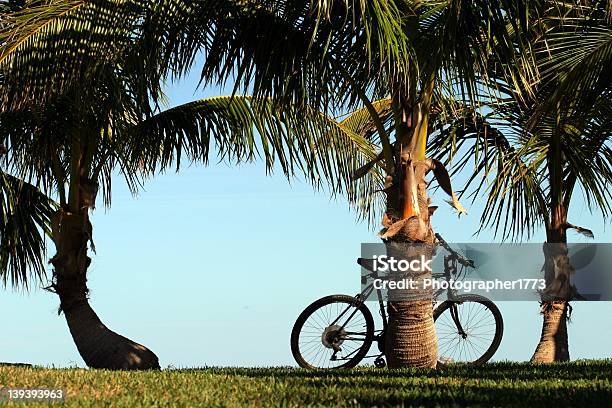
(411, 335)
(553, 345)
(99, 346)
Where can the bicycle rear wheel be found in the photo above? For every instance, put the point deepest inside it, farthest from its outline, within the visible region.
(469, 330)
(333, 332)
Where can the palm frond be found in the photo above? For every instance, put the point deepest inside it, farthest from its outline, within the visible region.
(578, 64)
(300, 52)
(588, 153)
(49, 46)
(462, 40)
(242, 129)
(495, 159)
(573, 54)
(281, 48)
(368, 181)
(510, 163)
(24, 224)
(360, 121)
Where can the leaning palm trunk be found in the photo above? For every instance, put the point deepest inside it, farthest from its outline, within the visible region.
(98, 346)
(411, 336)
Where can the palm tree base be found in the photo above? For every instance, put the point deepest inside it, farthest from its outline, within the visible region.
(553, 345)
(411, 335)
(101, 347)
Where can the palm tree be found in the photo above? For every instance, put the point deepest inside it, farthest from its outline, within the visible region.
(319, 54)
(61, 148)
(554, 141)
(576, 65)
(452, 44)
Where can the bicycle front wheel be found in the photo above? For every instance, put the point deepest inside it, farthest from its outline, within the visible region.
(469, 330)
(333, 332)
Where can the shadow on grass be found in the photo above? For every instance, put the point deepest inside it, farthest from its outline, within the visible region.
(499, 384)
(474, 395)
(581, 370)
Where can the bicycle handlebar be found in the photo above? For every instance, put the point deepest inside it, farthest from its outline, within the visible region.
(463, 261)
(369, 263)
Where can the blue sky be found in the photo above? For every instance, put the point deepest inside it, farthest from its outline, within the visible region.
(211, 267)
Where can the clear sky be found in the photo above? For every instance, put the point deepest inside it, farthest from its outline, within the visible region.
(211, 267)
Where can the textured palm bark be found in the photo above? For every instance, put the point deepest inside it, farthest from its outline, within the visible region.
(98, 346)
(411, 336)
(553, 345)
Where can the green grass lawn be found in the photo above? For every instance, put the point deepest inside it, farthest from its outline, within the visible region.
(576, 384)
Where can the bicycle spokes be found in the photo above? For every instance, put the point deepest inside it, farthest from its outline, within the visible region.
(465, 332)
(332, 335)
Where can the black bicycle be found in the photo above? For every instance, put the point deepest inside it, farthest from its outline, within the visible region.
(337, 331)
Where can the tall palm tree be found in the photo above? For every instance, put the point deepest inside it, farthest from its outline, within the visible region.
(554, 141)
(577, 87)
(452, 43)
(61, 148)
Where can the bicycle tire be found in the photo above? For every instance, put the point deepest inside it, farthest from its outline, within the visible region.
(318, 304)
(499, 323)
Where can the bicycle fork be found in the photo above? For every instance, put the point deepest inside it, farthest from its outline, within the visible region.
(455, 315)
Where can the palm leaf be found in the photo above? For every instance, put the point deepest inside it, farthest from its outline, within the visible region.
(49, 46)
(368, 182)
(360, 121)
(25, 222)
(281, 48)
(496, 169)
(242, 129)
(575, 56)
(300, 52)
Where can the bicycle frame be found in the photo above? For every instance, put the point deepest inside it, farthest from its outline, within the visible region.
(450, 269)
(345, 327)
(451, 263)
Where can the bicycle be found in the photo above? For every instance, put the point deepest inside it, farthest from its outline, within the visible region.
(469, 327)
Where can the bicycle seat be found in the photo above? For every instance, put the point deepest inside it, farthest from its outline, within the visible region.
(366, 263)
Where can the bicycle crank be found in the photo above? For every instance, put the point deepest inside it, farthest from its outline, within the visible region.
(333, 337)
(380, 362)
